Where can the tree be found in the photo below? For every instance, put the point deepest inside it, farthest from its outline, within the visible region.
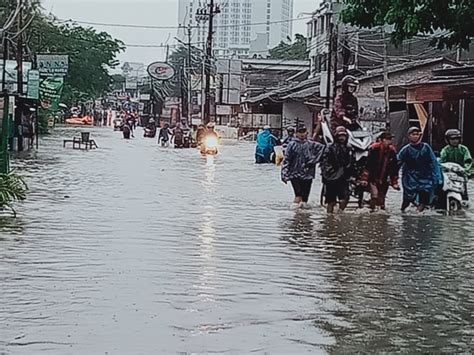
(91, 53)
(118, 81)
(294, 51)
(451, 22)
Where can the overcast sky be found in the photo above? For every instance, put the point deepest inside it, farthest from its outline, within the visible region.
(146, 12)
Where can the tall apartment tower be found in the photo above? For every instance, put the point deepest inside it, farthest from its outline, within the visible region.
(240, 26)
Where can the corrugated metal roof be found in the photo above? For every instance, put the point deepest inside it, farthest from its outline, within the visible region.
(406, 66)
(303, 94)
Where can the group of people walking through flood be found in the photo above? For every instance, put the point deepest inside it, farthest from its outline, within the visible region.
(344, 175)
(420, 169)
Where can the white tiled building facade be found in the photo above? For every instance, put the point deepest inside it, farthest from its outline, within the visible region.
(238, 24)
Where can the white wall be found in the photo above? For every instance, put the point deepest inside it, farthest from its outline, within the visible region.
(293, 110)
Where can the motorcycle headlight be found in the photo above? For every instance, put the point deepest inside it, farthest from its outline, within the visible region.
(211, 142)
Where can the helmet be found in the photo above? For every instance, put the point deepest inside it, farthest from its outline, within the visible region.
(290, 129)
(211, 125)
(266, 127)
(452, 134)
(347, 81)
(151, 120)
(301, 128)
(413, 130)
(340, 131)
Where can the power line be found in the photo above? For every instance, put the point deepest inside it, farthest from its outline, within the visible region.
(119, 25)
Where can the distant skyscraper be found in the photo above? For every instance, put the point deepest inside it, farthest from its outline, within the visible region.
(239, 23)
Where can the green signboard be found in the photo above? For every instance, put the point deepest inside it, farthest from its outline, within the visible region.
(50, 91)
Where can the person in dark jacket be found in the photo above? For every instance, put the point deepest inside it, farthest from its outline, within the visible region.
(289, 137)
(381, 170)
(346, 106)
(178, 136)
(421, 172)
(299, 165)
(164, 135)
(337, 166)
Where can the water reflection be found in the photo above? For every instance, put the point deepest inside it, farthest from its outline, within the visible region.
(181, 254)
(389, 281)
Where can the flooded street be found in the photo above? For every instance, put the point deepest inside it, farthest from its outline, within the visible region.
(136, 249)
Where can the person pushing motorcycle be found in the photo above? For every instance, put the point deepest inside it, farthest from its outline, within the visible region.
(455, 152)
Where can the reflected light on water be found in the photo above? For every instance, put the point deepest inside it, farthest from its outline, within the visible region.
(207, 236)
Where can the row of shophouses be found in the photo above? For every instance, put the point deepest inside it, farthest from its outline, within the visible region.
(426, 86)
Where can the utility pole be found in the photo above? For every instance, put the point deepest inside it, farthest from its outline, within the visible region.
(19, 50)
(189, 78)
(18, 128)
(212, 10)
(335, 50)
(329, 61)
(167, 52)
(5, 57)
(385, 82)
(346, 55)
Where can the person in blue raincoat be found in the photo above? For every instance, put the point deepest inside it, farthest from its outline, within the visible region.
(266, 141)
(421, 172)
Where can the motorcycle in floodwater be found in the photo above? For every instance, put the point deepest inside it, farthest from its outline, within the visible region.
(149, 133)
(360, 140)
(118, 124)
(453, 196)
(126, 130)
(210, 145)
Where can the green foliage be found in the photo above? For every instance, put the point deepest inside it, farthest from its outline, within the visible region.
(43, 116)
(294, 51)
(12, 189)
(451, 22)
(91, 53)
(118, 80)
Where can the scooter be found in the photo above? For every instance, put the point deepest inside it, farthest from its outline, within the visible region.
(210, 146)
(118, 125)
(454, 193)
(149, 133)
(126, 131)
(360, 140)
(187, 140)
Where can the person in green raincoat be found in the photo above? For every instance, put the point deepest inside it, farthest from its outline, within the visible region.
(455, 152)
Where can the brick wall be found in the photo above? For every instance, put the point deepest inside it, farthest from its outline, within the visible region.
(373, 104)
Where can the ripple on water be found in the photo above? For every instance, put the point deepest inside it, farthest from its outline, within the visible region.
(138, 249)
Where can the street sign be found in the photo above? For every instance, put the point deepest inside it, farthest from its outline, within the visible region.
(52, 64)
(223, 110)
(160, 71)
(33, 84)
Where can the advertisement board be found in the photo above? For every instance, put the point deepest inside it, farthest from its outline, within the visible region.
(52, 64)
